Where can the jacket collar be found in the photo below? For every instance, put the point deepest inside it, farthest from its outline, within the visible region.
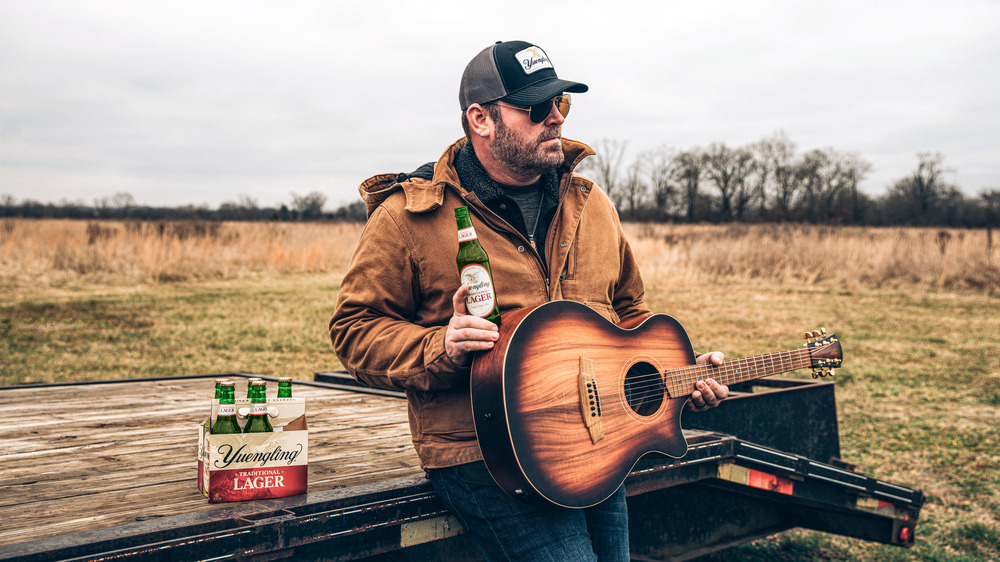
(423, 196)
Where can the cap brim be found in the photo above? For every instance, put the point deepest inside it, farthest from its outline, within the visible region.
(541, 91)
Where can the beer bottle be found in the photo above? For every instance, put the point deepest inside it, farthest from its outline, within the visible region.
(218, 396)
(474, 270)
(250, 383)
(285, 387)
(218, 388)
(257, 422)
(226, 420)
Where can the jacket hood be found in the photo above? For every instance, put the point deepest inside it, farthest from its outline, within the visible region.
(424, 195)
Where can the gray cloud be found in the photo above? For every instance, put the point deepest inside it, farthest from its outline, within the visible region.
(193, 102)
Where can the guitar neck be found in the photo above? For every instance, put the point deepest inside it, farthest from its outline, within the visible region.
(680, 382)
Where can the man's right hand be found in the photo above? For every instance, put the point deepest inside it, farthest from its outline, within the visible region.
(467, 334)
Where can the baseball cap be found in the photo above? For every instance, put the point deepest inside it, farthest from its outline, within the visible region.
(515, 72)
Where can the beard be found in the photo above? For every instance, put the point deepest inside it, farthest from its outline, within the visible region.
(526, 157)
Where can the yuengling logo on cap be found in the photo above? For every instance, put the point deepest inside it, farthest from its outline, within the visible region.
(532, 59)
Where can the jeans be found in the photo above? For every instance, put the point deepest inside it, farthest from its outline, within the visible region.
(505, 528)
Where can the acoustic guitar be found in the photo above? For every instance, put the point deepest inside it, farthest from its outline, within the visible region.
(567, 402)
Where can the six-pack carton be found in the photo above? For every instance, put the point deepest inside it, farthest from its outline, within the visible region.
(252, 466)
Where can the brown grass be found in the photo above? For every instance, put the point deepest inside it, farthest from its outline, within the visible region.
(57, 252)
(60, 252)
(849, 257)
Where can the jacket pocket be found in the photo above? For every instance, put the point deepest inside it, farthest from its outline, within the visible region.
(444, 415)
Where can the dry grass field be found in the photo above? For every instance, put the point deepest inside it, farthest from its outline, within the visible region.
(918, 312)
(57, 253)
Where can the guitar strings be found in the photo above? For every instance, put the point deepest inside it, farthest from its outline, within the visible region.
(738, 370)
(646, 385)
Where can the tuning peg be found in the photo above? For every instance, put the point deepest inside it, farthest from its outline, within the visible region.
(815, 334)
(831, 372)
(822, 331)
(806, 336)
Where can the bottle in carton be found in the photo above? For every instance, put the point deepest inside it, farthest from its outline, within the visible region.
(257, 421)
(225, 421)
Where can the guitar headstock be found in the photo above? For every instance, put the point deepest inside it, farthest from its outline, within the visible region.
(824, 351)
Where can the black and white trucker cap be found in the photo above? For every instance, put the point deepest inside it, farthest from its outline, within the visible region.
(515, 72)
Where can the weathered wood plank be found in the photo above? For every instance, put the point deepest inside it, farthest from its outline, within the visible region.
(83, 457)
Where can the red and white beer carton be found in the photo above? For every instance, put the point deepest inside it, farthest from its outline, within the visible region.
(251, 466)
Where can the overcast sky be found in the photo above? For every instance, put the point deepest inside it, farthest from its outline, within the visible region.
(181, 102)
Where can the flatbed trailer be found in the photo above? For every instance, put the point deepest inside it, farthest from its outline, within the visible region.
(107, 471)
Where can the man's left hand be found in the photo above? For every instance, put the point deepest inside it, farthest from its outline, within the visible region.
(708, 393)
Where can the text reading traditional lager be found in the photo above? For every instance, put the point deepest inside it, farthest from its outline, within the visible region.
(474, 270)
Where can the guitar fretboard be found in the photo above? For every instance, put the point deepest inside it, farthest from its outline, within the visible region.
(680, 382)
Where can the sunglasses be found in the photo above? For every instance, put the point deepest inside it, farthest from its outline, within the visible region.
(540, 111)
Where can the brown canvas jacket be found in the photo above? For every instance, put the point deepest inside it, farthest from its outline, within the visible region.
(395, 301)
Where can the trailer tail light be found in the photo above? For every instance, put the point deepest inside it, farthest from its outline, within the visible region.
(756, 479)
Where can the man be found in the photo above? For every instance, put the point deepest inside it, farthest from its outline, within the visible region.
(550, 234)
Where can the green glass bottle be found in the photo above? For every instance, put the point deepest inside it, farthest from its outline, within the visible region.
(474, 270)
(250, 383)
(257, 421)
(225, 421)
(218, 396)
(218, 388)
(285, 387)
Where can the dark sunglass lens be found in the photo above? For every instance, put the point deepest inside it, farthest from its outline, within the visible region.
(540, 111)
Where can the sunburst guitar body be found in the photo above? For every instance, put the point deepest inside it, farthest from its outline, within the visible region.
(567, 402)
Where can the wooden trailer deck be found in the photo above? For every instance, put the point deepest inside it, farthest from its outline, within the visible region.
(90, 456)
(108, 471)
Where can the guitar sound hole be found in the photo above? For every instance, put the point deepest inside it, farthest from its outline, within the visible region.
(644, 389)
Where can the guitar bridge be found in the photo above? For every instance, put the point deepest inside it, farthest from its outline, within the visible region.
(590, 400)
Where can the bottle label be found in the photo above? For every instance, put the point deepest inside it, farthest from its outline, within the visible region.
(482, 298)
(258, 408)
(227, 409)
(466, 234)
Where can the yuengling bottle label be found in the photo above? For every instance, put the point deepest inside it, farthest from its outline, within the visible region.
(482, 297)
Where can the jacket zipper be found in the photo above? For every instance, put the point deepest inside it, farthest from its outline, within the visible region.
(527, 244)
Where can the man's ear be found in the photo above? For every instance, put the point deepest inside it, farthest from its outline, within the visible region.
(480, 122)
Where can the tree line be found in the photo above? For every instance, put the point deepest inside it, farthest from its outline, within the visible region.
(766, 181)
(771, 180)
(122, 205)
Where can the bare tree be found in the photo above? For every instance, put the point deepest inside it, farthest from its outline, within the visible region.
(309, 207)
(244, 201)
(605, 166)
(688, 167)
(772, 174)
(922, 195)
(728, 169)
(123, 201)
(244, 208)
(811, 174)
(854, 169)
(660, 165)
(991, 205)
(633, 190)
(781, 153)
